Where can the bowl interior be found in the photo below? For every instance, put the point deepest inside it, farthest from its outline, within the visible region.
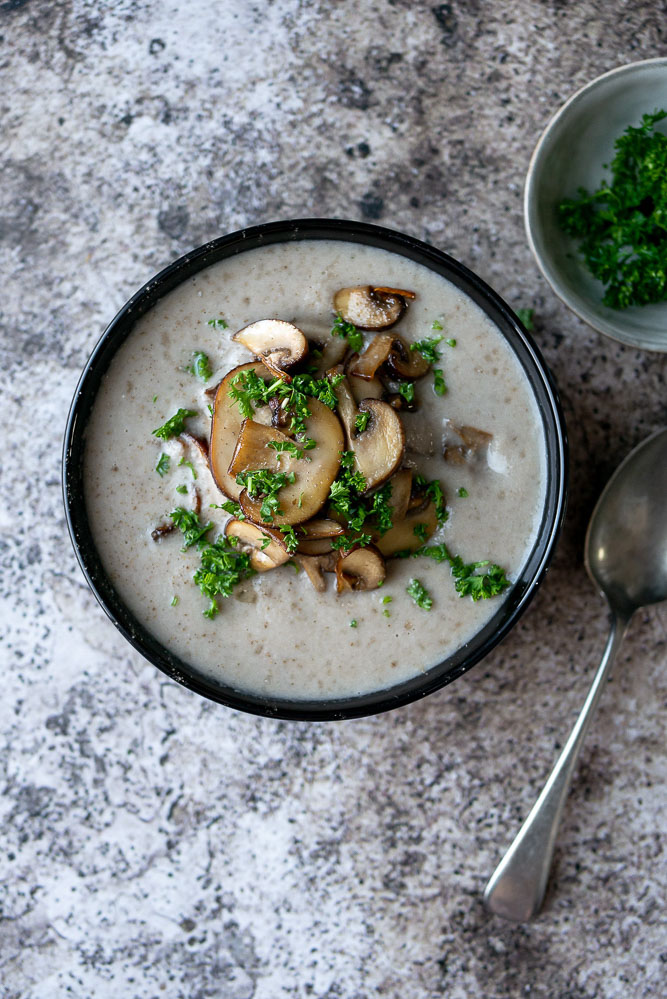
(508, 611)
(571, 153)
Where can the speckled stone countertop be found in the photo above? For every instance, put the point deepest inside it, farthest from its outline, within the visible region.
(157, 844)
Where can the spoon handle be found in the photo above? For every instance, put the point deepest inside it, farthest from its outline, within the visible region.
(516, 888)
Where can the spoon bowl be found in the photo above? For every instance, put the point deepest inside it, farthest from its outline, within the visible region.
(626, 557)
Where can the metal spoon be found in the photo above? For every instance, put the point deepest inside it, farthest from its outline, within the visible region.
(626, 557)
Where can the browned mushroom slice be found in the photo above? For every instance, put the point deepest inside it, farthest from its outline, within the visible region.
(278, 343)
(376, 353)
(473, 441)
(401, 488)
(371, 308)
(194, 441)
(302, 499)
(227, 420)
(328, 353)
(312, 566)
(402, 538)
(252, 449)
(265, 551)
(360, 569)
(315, 536)
(474, 438)
(379, 448)
(405, 363)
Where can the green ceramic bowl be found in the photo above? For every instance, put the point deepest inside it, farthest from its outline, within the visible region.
(570, 154)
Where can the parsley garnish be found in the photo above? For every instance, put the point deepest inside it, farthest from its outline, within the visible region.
(222, 567)
(341, 328)
(162, 466)
(525, 316)
(469, 582)
(451, 342)
(407, 390)
(419, 594)
(346, 497)
(361, 422)
(291, 448)
(189, 523)
(154, 398)
(291, 540)
(436, 325)
(181, 489)
(201, 366)
(353, 623)
(419, 530)
(428, 348)
(175, 425)
(463, 492)
(345, 543)
(439, 386)
(229, 506)
(189, 465)
(433, 490)
(387, 599)
(622, 227)
(174, 601)
(217, 324)
(263, 483)
(386, 612)
(250, 391)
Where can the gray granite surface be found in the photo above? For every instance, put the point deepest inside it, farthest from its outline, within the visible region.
(153, 843)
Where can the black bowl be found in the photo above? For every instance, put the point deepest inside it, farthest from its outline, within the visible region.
(508, 611)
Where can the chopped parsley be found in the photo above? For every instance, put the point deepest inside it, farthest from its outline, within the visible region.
(439, 385)
(407, 390)
(387, 599)
(451, 342)
(419, 594)
(251, 391)
(221, 567)
(217, 324)
(386, 612)
(346, 498)
(291, 540)
(229, 506)
(266, 484)
(463, 492)
(353, 623)
(291, 448)
(622, 227)
(174, 601)
(189, 465)
(201, 366)
(433, 490)
(162, 466)
(182, 490)
(419, 530)
(345, 543)
(361, 422)
(349, 331)
(469, 582)
(193, 530)
(265, 544)
(428, 348)
(154, 398)
(175, 425)
(525, 316)
(436, 325)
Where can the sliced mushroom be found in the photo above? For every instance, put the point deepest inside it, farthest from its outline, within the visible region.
(279, 344)
(362, 388)
(302, 499)
(315, 536)
(473, 441)
(312, 566)
(401, 488)
(375, 355)
(253, 540)
(379, 448)
(405, 363)
(402, 538)
(371, 308)
(252, 449)
(226, 425)
(360, 569)
(332, 352)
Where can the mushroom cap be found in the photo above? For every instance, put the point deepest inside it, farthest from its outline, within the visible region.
(226, 426)
(251, 539)
(360, 569)
(278, 343)
(379, 449)
(401, 537)
(406, 363)
(369, 307)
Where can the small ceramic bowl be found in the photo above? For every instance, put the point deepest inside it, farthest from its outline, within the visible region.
(571, 153)
(523, 588)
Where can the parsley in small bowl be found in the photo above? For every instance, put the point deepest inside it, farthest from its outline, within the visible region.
(596, 204)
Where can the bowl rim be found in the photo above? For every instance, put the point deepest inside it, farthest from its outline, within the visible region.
(589, 316)
(522, 590)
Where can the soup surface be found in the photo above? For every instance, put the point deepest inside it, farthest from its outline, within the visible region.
(276, 635)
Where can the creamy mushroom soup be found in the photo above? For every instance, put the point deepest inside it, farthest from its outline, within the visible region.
(276, 635)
